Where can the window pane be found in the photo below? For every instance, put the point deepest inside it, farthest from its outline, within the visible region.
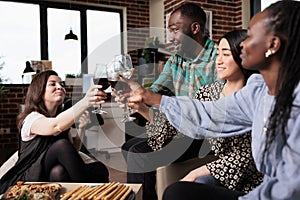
(266, 3)
(103, 37)
(19, 38)
(64, 54)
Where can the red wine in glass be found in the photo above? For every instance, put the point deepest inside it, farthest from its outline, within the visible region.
(113, 83)
(102, 81)
(105, 84)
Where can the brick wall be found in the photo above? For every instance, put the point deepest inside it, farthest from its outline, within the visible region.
(227, 15)
(9, 109)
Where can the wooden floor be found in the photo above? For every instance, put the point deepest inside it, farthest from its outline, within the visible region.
(116, 166)
(116, 175)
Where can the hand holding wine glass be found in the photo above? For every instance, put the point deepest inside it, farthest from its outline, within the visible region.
(100, 78)
(120, 66)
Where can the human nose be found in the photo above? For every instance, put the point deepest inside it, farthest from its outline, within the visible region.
(242, 44)
(60, 86)
(219, 59)
(171, 37)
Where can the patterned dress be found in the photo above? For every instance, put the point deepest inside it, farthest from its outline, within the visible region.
(235, 167)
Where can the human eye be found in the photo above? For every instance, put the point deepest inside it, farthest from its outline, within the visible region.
(227, 53)
(51, 83)
(174, 30)
(62, 84)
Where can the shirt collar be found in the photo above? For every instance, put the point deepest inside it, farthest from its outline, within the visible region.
(206, 52)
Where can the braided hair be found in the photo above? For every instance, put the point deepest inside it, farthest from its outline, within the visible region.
(284, 22)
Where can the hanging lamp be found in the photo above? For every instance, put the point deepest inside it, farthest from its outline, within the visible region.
(71, 36)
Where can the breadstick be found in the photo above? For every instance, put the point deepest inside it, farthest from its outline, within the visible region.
(69, 194)
(108, 189)
(90, 192)
(96, 191)
(114, 192)
(118, 192)
(83, 193)
(75, 195)
(126, 194)
(125, 188)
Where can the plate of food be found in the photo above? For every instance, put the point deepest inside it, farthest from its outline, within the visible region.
(69, 191)
(113, 190)
(36, 191)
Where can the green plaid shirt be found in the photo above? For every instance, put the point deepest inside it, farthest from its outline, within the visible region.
(184, 77)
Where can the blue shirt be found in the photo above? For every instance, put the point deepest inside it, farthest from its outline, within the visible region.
(185, 77)
(245, 110)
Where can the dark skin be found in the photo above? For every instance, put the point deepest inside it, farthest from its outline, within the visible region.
(186, 34)
(187, 37)
(181, 30)
(259, 41)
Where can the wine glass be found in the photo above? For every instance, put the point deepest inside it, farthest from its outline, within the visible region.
(121, 65)
(100, 78)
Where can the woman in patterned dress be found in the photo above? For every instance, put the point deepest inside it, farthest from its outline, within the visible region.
(234, 167)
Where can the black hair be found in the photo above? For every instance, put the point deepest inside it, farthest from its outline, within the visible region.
(194, 12)
(284, 21)
(234, 39)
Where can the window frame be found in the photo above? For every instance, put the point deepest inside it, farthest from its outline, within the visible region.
(78, 6)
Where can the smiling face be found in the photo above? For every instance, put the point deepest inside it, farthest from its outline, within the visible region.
(256, 44)
(55, 92)
(180, 30)
(227, 68)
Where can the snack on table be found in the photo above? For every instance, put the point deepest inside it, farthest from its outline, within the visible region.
(45, 191)
(109, 191)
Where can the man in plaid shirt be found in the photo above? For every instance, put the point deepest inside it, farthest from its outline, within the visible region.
(192, 66)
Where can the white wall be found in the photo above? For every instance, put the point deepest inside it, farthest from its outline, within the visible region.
(245, 13)
(157, 18)
(266, 3)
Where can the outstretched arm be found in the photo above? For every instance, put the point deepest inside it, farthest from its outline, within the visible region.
(63, 121)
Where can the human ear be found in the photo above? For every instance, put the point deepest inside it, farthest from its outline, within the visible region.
(275, 44)
(195, 27)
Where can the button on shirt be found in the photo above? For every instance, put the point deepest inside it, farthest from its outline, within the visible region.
(184, 77)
